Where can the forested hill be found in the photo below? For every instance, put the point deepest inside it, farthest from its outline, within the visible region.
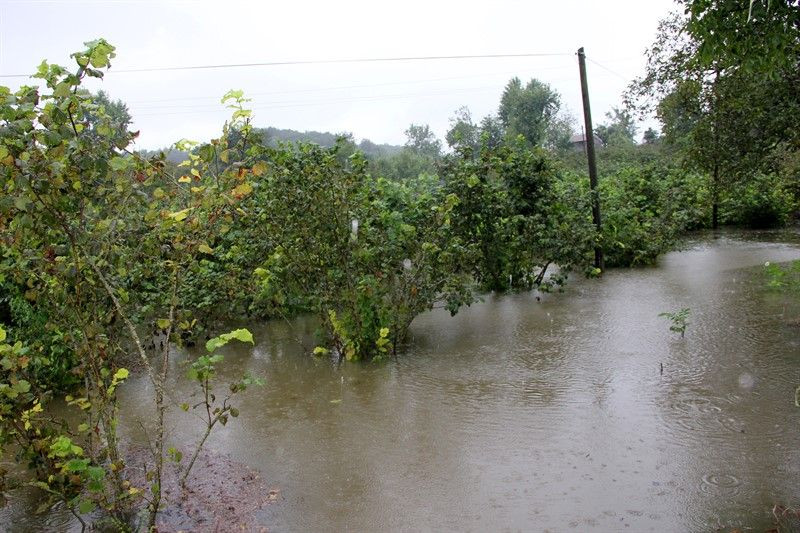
(273, 136)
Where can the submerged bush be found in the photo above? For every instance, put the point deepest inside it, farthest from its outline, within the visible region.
(511, 217)
(646, 209)
(764, 201)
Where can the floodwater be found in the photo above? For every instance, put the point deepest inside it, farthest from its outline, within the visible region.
(519, 414)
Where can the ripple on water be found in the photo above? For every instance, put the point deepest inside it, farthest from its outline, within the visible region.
(693, 417)
(720, 484)
(764, 428)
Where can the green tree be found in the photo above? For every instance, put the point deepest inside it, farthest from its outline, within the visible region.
(726, 119)
(559, 132)
(509, 217)
(492, 132)
(651, 136)
(111, 118)
(619, 128)
(759, 36)
(106, 245)
(365, 254)
(528, 110)
(422, 140)
(463, 132)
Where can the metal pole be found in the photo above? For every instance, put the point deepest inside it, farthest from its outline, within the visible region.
(588, 138)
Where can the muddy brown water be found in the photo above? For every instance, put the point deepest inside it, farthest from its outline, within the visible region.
(520, 414)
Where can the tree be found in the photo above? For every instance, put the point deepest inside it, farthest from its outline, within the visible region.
(651, 136)
(528, 110)
(724, 116)
(366, 254)
(107, 244)
(492, 132)
(118, 118)
(406, 164)
(759, 36)
(619, 129)
(421, 139)
(559, 132)
(463, 132)
(508, 217)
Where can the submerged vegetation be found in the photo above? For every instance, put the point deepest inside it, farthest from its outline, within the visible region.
(110, 257)
(679, 320)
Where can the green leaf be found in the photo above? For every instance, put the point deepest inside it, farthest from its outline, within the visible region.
(21, 386)
(62, 90)
(163, 323)
(242, 335)
(96, 472)
(77, 465)
(100, 52)
(119, 163)
(206, 153)
(242, 190)
(233, 94)
(86, 506)
(181, 215)
(258, 169)
(206, 249)
(62, 447)
(2, 334)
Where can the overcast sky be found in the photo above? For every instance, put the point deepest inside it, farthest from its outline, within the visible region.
(372, 100)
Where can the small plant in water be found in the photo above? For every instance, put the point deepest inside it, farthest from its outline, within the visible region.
(784, 277)
(203, 371)
(679, 319)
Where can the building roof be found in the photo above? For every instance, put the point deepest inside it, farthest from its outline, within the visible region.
(580, 137)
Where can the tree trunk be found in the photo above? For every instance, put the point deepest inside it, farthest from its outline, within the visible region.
(715, 199)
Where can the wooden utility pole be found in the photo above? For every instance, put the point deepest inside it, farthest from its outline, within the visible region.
(588, 138)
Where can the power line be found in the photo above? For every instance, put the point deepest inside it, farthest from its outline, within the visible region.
(300, 103)
(282, 104)
(617, 74)
(157, 101)
(317, 62)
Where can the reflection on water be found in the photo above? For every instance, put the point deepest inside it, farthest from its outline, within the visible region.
(552, 415)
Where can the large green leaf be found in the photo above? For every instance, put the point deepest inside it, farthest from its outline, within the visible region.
(242, 335)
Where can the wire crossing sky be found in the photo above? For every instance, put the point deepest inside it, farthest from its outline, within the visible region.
(316, 62)
(353, 66)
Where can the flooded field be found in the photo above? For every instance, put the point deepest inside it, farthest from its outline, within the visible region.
(580, 411)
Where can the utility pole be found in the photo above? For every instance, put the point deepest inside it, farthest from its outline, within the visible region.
(588, 138)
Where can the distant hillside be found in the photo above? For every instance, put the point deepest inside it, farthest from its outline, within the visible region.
(273, 136)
